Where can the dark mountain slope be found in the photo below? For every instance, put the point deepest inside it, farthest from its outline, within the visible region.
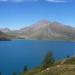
(45, 30)
(3, 36)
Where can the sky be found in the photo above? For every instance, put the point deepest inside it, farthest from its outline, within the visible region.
(15, 14)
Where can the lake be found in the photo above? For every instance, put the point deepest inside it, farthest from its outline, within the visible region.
(17, 53)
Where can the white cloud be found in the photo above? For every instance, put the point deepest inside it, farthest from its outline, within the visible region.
(59, 1)
(17, 0)
(3, 0)
(22, 0)
(53, 1)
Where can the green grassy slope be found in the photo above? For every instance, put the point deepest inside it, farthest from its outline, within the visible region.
(63, 67)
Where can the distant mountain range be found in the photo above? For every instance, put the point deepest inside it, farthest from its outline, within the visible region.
(43, 30)
(3, 36)
(5, 29)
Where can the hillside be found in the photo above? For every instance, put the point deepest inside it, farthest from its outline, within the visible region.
(44, 30)
(3, 36)
(67, 68)
(5, 30)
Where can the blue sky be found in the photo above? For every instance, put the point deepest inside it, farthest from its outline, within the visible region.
(16, 14)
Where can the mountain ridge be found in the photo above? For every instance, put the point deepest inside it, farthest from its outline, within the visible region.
(45, 29)
(3, 36)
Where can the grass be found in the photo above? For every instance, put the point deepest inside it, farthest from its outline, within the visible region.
(67, 68)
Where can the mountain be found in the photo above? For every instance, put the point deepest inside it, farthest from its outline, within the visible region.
(3, 36)
(5, 29)
(47, 30)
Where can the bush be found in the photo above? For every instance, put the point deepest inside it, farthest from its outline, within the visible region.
(14, 73)
(25, 69)
(48, 60)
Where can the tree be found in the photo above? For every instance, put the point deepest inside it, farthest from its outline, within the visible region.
(25, 69)
(14, 73)
(0, 73)
(48, 60)
(68, 56)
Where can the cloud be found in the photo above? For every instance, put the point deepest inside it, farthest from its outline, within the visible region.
(18, 0)
(53, 1)
(22, 0)
(3, 0)
(58, 1)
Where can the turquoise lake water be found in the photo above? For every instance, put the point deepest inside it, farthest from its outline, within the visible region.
(17, 53)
